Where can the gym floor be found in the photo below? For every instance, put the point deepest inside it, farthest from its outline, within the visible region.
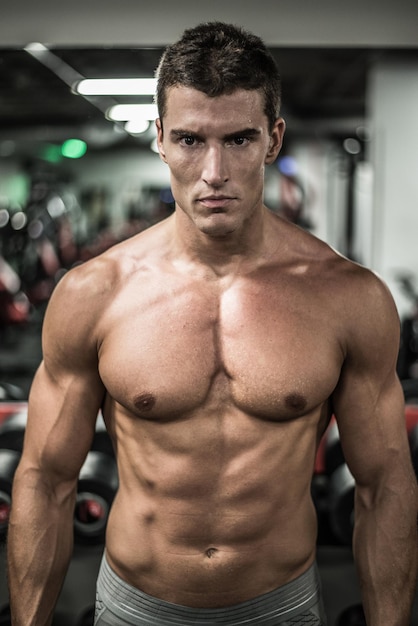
(20, 353)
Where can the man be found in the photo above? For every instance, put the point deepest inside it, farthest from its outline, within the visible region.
(217, 344)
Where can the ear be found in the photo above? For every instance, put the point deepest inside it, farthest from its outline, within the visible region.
(276, 140)
(159, 127)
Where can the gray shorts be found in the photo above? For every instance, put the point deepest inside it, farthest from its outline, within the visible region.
(296, 603)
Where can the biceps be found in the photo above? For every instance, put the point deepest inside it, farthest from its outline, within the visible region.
(371, 421)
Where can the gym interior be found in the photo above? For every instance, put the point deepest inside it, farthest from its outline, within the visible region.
(75, 180)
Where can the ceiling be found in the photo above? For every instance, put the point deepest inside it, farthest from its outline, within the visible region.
(324, 91)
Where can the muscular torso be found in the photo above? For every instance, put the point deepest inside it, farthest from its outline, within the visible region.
(217, 395)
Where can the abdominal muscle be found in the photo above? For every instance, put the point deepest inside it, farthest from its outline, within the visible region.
(205, 515)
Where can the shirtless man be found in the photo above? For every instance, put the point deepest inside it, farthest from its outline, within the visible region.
(217, 344)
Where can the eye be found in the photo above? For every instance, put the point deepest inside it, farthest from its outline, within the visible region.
(240, 141)
(188, 140)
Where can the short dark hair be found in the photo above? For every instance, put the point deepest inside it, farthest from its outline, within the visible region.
(218, 58)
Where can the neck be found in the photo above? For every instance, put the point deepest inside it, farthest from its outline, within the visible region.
(223, 254)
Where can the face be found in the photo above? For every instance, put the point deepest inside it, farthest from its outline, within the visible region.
(217, 149)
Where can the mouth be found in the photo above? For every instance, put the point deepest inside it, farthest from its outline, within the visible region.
(216, 203)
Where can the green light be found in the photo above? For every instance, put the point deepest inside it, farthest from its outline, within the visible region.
(73, 148)
(51, 153)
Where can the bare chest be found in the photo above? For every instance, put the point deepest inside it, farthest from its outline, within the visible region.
(176, 349)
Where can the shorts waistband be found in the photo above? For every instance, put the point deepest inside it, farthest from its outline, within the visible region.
(130, 603)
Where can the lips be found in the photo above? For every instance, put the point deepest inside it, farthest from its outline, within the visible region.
(216, 202)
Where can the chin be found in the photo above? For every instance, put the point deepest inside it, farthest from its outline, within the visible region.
(217, 228)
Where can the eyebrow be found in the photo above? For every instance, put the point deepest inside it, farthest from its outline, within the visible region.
(245, 132)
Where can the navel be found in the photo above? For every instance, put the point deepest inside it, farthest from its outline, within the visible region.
(144, 402)
(210, 552)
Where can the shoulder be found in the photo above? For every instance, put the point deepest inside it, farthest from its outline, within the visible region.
(87, 288)
(364, 310)
(358, 296)
(70, 328)
(355, 299)
(364, 295)
(84, 289)
(349, 281)
(85, 293)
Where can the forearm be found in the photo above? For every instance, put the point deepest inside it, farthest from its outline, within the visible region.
(40, 542)
(385, 551)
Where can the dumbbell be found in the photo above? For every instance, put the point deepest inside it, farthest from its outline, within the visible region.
(97, 486)
(410, 390)
(9, 391)
(341, 488)
(12, 431)
(97, 482)
(9, 460)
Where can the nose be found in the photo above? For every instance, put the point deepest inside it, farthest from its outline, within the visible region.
(214, 172)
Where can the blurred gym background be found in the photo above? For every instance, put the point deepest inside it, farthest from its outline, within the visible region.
(76, 177)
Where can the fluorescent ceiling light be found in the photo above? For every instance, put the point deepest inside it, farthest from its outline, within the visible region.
(116, 87)
(35, 47)
(136, 127)
(126, 112)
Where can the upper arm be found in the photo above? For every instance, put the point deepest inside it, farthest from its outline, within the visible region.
(368, 401)
(67, 392)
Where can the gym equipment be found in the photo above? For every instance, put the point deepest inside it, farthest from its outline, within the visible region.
(14, 304)
(9, 460)
(408, 351)
(410, 390)
(8, 391)
(97, 482)
(12, 431)
(97, 486)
